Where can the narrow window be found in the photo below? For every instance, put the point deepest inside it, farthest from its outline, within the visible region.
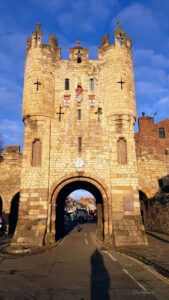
(80, 144)
(36, 153)
(91, 84)
(122, 151)
(161, 133)
(79, 114)
(79, 59)
(66, 84)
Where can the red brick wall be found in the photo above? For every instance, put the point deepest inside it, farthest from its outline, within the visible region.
(148, 135)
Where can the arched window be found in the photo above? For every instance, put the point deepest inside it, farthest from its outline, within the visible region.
(36, 153)
(122, 151)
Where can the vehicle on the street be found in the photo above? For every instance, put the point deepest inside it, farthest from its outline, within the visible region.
(82, 215)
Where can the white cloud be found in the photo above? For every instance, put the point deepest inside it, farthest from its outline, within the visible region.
(139, 22)
(51, 5)
(10, 94)
(149, 57)
(163, 101)
(12, 132)
(85, 15)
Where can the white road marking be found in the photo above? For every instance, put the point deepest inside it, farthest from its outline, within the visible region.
(86, 241)
(111, 256)
(85, 234)
(158, 275)
(139, 284)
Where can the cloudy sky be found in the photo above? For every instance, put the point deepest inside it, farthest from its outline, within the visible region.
(145, 21)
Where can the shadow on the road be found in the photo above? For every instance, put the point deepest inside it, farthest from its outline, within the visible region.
(69, 226)
(100, 280)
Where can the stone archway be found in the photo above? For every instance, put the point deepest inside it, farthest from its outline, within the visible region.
(13, 216)
(144, 207)
(64, 188)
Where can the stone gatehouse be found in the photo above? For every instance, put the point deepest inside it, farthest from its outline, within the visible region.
(78, 116)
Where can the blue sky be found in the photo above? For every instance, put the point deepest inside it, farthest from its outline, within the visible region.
(76, 195)
(145, 21)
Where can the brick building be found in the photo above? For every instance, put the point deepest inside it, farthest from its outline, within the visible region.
(152, 135)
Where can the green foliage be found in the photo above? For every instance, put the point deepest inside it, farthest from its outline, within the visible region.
(161, 197)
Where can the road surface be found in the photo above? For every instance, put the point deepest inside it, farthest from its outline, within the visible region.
(78, 269)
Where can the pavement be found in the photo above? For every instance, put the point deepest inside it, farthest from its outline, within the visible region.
(155, 254)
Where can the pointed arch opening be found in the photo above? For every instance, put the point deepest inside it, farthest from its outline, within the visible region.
(13, 216)
(36, 153)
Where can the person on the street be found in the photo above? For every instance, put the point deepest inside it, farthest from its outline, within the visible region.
(78, 226)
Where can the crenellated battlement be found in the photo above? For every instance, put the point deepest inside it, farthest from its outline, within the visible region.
(120, 39)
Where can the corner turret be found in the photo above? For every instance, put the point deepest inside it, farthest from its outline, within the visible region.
(116, 65)
(38, 96)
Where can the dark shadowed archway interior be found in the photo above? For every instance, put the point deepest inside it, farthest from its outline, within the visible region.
(13, 216)
(60, 206)
(1, 206)
(143, 205)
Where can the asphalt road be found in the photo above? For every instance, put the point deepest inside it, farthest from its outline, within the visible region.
(78, 269)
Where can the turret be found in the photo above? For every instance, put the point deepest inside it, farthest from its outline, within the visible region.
(38, 96)
(116, 66)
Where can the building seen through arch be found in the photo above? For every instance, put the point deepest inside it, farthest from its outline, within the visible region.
(79, 211)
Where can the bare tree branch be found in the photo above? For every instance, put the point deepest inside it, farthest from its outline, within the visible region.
(1, 144)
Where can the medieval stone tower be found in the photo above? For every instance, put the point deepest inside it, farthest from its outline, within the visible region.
(79, 116)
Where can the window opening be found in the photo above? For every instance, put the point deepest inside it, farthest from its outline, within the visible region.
(66, 84)
(80, 144)
(36, 153)
(79, 114)
(91, 84)
(122, 151)
(79, 59)
(161, 133)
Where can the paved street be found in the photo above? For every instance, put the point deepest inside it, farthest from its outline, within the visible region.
(78, 268)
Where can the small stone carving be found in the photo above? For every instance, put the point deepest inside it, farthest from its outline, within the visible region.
(79, 163)
(38, 26)
(79, 92)
(53, 41)
(120, 34)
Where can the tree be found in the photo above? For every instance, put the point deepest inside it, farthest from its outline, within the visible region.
(1, 144)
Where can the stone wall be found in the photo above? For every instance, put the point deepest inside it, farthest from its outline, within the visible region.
(152, 167)
(155, 215)
(10, 175)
